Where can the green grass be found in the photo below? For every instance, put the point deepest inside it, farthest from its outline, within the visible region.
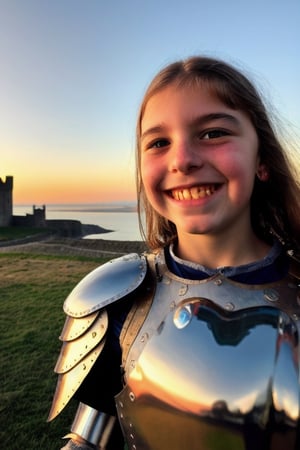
(32, 291)
(9, 233)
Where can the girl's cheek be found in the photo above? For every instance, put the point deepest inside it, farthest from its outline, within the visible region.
(147, 180)
(148, 170)
(233, 166)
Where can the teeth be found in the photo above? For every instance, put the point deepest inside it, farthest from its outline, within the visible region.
(194, 193)
(186, 194)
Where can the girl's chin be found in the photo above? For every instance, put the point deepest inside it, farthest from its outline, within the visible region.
(195, 230)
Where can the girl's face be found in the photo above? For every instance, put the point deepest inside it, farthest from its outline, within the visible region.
(198, 161)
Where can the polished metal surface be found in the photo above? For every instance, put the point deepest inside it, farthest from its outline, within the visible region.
(225, 293)
(215, 365)
(69, 382)
(75, 327)
(84, 341)
(92, 425)
(72, 352)
(85, 328)
(213, 379)
(106, 284)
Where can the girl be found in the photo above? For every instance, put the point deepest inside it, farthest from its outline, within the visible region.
(205, 326)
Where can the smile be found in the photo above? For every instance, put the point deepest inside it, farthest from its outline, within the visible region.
(193, 193)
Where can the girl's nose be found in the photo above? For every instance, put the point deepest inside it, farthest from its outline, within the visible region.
(184, 158)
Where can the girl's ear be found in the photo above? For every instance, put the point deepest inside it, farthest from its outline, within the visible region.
(263, 173)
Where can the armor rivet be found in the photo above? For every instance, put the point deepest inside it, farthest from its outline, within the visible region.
(131, 436)
(134, 447)
(132, 363)
(144, 337)
(94, 334)
(229, 306)
(172, 305)
(121, 415)
(218, 282)
(271, 295)
(131, 396)
(295, 316)
(183, 289)
(121, 404)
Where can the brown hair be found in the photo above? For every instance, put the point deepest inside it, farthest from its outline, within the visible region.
(275, 204)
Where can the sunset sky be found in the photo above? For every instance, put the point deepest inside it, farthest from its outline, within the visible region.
(73, 73)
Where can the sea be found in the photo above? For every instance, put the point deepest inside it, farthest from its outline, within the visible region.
(120, 217)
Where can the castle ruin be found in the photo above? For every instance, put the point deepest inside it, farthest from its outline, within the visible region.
(7, 219)
(6, 201)
(66, 228)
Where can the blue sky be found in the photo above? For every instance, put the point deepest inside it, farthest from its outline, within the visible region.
(73, 73)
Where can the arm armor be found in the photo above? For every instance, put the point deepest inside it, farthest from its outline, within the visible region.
(84, 332)
(93, 426)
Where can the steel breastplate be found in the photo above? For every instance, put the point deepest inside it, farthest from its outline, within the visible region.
(215, 367)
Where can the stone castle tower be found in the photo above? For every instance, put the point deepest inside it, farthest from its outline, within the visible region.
(6, 201)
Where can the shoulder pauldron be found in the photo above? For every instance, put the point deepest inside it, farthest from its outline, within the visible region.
(86, 324)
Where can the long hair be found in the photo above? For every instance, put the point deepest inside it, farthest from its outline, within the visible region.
(275, 204)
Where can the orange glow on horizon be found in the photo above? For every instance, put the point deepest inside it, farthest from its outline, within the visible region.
(63, 195)
(72, 190)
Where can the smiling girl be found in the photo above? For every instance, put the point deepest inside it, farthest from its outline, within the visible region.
(205, 325)
(198, 164)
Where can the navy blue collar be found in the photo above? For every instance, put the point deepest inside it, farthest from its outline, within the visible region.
(267, 270)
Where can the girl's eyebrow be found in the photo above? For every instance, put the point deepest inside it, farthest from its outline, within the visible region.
(153, 130)
(216, 116)
(202, 120)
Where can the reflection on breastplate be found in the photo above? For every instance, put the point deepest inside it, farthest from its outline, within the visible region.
(230, 382)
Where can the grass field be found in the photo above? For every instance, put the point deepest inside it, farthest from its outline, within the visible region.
(8, 233)
(32, 291)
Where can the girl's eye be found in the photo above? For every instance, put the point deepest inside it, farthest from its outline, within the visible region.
(214, 134)
(159, 143)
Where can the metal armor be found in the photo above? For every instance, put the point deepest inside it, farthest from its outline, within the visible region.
(86, 324)
(215, 366)
(211, 364)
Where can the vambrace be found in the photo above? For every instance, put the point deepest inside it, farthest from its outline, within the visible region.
(93, 426)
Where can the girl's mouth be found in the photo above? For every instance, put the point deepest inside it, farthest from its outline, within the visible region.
(194, 193)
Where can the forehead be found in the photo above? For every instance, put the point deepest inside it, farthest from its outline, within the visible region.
(188, 101)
